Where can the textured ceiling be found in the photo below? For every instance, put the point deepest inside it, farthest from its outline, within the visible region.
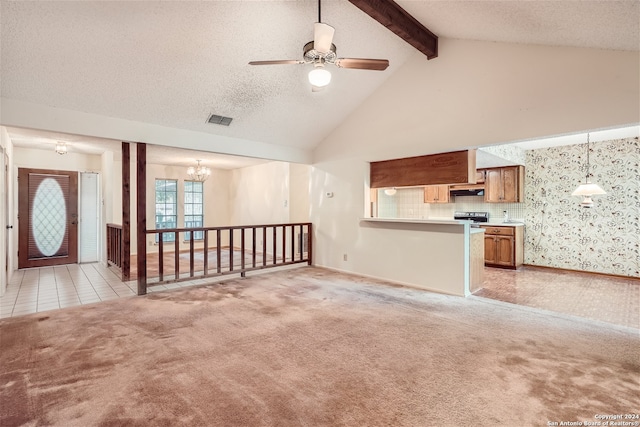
(174, 63)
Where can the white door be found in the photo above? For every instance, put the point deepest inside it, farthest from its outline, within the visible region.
(89, 231)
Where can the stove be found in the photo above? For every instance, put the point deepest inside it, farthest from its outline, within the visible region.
(473, 216)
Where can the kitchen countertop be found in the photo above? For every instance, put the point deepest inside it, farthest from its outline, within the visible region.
(446, 221)
(417, 221)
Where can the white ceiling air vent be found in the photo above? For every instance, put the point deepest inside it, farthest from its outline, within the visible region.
(219, 120)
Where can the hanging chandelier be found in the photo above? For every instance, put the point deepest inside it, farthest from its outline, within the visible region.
(198, 173)
(588, 189)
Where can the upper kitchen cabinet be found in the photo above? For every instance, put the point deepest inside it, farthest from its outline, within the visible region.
(504, 185)
(436, 194)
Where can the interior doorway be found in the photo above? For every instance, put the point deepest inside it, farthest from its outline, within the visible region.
(47, 217)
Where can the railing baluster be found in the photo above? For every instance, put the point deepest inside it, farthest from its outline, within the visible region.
(206, 252)
(309, 243)
(284, 243)
(160, 257)
(264, 246)
(301, 242)
(231, 249)
(176, 255)
(191, 254)
(253, 251)
(242, 250)
(293, 244)
(275, 246)
(218, 252)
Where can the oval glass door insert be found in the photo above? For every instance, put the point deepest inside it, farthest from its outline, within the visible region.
(49, 217)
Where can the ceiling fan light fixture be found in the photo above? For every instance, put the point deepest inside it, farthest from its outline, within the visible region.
(319, 77)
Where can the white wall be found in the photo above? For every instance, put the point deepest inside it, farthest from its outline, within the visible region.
(42, 159)
(260, 194)
(475, 93)
(299, 191)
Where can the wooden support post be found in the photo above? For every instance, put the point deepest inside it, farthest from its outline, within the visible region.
(141, 187)
(125, 245)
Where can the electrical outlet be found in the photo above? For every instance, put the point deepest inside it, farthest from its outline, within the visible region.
(344, 257)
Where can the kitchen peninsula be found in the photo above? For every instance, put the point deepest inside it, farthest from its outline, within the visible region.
(444, 256)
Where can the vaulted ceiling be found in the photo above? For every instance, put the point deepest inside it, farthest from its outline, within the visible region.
(174, 63)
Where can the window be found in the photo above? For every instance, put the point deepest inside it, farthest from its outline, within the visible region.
(193, 205)
(166, 207)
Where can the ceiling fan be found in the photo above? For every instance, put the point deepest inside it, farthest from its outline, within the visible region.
(321, 51)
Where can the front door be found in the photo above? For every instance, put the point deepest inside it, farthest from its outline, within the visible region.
(47, 217)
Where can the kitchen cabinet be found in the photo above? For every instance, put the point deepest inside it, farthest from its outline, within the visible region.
(480, 173)
(436, 194)
(504, 185)
(503, 246)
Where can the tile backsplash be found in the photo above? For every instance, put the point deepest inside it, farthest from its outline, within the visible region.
(409, 203)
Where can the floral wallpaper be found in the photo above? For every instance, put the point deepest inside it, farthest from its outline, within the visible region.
(559, 232)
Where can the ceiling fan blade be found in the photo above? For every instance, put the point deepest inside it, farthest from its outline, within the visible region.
(277, 62)
(363, 64)
(322, 37)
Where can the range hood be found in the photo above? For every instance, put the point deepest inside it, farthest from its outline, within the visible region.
(466, 190)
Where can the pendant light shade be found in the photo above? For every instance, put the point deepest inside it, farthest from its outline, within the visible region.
(588, 189)
(319, 77)
(390, 191)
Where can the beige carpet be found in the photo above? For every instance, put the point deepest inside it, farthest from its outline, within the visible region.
(310, 347)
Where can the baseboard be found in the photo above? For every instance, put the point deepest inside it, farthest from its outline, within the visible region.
(394, 282)
(595, 273)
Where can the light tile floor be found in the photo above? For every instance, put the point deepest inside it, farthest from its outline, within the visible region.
(48, 288)
(35, 290)
(604, 298)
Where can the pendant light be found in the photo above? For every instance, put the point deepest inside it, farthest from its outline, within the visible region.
(390, 191)
(588, 189)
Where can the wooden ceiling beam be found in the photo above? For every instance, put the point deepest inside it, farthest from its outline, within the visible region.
(398, 20)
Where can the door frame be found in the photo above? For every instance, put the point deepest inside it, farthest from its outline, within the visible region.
(23, 220)
(5, 218)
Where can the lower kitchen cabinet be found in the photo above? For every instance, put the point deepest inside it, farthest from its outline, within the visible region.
(503, 246)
